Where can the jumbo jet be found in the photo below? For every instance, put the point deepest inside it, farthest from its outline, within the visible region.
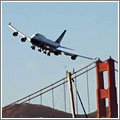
(46, 45)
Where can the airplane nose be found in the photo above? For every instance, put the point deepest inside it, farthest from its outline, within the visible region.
(34, 41)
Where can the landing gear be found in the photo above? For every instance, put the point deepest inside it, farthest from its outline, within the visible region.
(44, 52)
(39, 50)
(48, 53)
(33, 47)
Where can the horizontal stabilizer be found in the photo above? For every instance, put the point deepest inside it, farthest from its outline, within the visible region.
(66, 48)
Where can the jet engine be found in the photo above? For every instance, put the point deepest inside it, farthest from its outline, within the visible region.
(73, 57)
(15, 34)
(23, 39)
(57, 53)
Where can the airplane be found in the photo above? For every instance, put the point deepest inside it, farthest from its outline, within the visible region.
(46, 45)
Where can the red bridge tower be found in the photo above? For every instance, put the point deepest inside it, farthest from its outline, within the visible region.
(109, 93)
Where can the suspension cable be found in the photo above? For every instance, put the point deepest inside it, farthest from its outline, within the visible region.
(51, 84)
(84, 67)
(85, 71)
(46, 90)
(38, 91)
(35, 96)
(41, 98)
(29, 96)
(80, 100)
(76, 92)
(88, 92)
(58, 96)
(53, 97)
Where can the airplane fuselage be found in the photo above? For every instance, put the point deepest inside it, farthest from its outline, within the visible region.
(45, 45)
(39, 40)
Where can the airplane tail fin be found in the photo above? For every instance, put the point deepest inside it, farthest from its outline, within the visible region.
(60, 37)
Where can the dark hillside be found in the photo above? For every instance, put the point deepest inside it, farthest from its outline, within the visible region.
(36, 111)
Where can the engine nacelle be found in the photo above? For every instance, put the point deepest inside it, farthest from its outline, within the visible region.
(15, 34)
(73, 57)
(56, 53)
(23, 39)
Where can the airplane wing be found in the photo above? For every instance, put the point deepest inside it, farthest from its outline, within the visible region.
(17, 31)
(59, 52)
(74, 56)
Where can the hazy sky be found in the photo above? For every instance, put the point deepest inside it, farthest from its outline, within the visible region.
(92, 30)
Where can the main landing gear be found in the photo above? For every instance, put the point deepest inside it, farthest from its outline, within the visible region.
(39, 50)
(48, 53)
(33, 47)
(44, 51)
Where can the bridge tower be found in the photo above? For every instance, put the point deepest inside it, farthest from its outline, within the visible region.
(109, 93)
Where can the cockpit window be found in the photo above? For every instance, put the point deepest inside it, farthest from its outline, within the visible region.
(36, 34)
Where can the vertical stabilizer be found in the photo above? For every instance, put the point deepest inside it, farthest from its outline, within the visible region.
(60, 37)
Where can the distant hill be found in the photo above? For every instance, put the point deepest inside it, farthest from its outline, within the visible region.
(36, 111)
